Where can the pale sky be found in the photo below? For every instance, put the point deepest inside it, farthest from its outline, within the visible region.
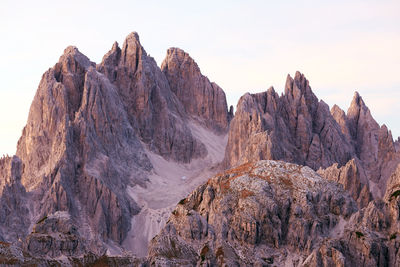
(244, 46)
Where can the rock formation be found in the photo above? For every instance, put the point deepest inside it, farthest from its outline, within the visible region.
(14, 209)
(86, 142)
(353, 178)
(153, 110)
(109, 149)
(298, 128)
(201, 99)
(274, 213)
(295, 127)
(79, 149)
(256, 214)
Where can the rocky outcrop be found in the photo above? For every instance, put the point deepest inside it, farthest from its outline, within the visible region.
(153, 110)
(262, 213)
(276, 213)
(14, 209)
(79, 149)
(86, 141)
(55, 235)
(99, 138)
(202, 99)
(298, 128)
(353, 178)
(11, 255)
(374, 145)
(295, 127)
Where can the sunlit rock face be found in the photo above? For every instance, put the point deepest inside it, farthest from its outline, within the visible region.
(257, 213)
(297, 127)
(202, 99)
(89, 132)
(111, 149)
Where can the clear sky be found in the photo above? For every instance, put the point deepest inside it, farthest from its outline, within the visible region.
(244, 46)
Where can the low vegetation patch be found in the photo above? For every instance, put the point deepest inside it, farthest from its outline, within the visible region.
(204, 252)
(42, 220)
(4, 244)
(219, 253)
(269, 260)
(359, 234)
(182, 201)
(395, 194)
(393, 236)
(240, 170)
(246, 193)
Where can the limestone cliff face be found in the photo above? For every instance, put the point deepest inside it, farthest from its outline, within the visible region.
(14, 209)
(353, 178)
(259, 213)
(85, 142)
(295, 127)
(374, 144)
(79, 149)
(275, 213)
(201, 98)
(94, 132)
(153, 110)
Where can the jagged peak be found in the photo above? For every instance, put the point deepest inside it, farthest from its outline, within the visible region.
(300, 82)
(178, 56)
(133, 36)
(357, 100)
(115, 46)
(357, 104)
(72, 52)
(132, 44)
(176, 50)
(288, 84)
(271, 91)
(337, 110)
(298, 75)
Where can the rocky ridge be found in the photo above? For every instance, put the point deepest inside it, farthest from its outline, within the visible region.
(273, 213)
(297, 127)
(86, 142)
(104, 142)
(201, 98)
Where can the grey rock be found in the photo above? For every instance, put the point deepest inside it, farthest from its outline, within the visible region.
(79, 149)
(14, 210)
(202, 99)
(153, 110)
(254, 213)
(295, 127)
(353, 178)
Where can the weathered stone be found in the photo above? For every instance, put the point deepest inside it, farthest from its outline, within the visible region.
(257, 210)
(295, 127)
(202, 99)
(353, 178)
(153, 110)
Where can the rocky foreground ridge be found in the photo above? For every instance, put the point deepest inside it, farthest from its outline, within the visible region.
(273, 213)
(109, 150)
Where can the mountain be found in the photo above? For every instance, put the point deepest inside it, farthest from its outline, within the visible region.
(91, 135)
(297, 127)
(268, 212)
(111, 151)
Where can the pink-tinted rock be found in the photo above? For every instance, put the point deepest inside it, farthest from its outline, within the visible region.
(202, 99)
(153, 110)
(296, 127)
